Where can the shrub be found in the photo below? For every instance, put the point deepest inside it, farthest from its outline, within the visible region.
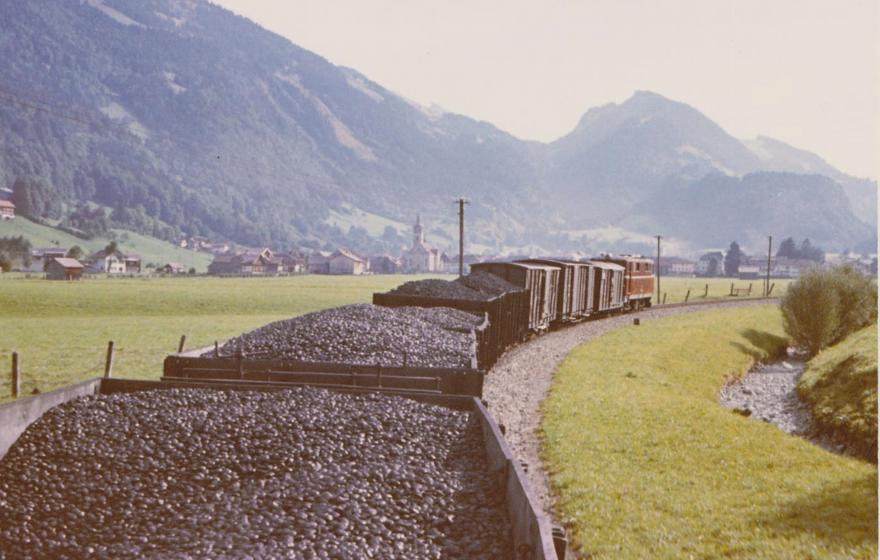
(824, 306)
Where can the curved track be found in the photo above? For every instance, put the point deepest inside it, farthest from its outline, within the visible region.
(521, 379)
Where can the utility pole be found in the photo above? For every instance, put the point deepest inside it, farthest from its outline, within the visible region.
(461, 201)
(657, 268)
(769, 253)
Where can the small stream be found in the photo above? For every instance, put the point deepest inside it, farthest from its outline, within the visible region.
(768, 393)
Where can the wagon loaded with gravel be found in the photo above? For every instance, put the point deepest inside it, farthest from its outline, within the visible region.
(286, 442)
(502, 306)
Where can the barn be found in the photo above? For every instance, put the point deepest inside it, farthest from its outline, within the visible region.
(61, 268)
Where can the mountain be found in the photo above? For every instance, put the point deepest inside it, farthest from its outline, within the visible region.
(180, 117)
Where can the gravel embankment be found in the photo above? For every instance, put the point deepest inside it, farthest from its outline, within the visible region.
(364, 334)
(302, 473)
(520, 380)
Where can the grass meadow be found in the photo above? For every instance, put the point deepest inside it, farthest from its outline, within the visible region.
(61, 329)
(676, 288)
(647, 464)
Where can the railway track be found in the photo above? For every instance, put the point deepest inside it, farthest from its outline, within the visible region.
(521, 379)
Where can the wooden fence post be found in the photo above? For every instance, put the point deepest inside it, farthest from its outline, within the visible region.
(108, 365)
(706, 293)
(182, 343)
(687, 296)
(770, 291)
(16, 376)
(731, 288)
(664, 298)
(750, 288)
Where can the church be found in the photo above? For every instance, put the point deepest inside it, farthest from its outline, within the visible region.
(421, 257)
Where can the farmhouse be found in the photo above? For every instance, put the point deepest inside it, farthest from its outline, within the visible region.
(249, 263)
(292, 264)
(344, 261)
(64, 269)
(7, 210)
(421, 257)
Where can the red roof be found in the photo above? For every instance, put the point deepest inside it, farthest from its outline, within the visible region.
(6, 204)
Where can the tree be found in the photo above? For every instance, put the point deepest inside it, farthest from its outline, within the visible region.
(824, 306)
(5, 263)
(732, 259)
(787, 248)
(75, 252)
(111, 248)
(810, 311)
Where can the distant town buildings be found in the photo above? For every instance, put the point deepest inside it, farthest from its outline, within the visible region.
(677, 266)
(171, 268)
(710, 264)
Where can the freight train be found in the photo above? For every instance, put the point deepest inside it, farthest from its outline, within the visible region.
(562, 291)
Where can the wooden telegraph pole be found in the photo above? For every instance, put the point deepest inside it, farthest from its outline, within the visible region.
(769, 254)
(461, 201)
(657, 267)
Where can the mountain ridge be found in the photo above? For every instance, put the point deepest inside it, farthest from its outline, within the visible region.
(259, 140)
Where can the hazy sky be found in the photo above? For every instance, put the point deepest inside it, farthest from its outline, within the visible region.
(802, 71)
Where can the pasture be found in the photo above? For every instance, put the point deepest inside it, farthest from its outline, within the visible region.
(61, 329)
(676, 288)
(647, 464)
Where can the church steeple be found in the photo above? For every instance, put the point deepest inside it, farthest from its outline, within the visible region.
(418, 235)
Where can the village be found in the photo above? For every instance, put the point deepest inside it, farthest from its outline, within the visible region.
(60, 263)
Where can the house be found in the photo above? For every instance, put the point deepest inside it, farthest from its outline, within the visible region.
(710, 264)
(421, 257)
(62, 268)
(319, 262)
(384, 264)
(344, 261)
(42, 256)
(6, 194)
(107, 263)
(172, 268)
(677, 266)
(7, 210)
(253, 262)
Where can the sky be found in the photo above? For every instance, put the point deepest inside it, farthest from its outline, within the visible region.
(801, 71)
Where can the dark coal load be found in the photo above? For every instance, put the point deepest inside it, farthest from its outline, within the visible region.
(438, 289)
(356, 334)
(301, 473)
(445, 317)
(487, 283)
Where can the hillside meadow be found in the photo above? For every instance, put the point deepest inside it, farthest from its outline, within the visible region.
(61, 329)
(646, 463)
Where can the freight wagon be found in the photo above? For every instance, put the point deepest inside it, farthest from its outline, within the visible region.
(541, 281)
(532, 536)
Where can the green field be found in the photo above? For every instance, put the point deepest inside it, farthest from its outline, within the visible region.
(676, 288)
(61, 329)
(647, 464)
(150, 249)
